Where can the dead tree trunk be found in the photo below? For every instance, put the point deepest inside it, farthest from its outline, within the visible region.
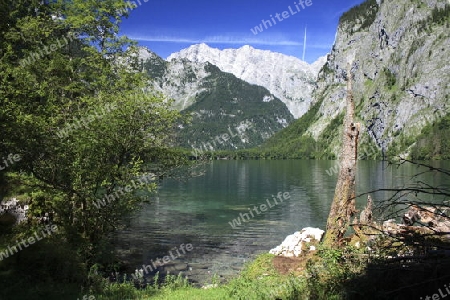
(343, 206)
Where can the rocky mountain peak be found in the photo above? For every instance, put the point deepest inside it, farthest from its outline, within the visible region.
(288, 78)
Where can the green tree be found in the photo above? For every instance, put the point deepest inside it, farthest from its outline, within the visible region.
(75, 107)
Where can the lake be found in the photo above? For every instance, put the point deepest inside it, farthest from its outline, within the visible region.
(201, 211)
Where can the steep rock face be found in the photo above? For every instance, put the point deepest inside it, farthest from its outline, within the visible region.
(179, 80)
(287, 78)
(400, 53)
(227, 112)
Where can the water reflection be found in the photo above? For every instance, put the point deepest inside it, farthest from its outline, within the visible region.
(199, 211)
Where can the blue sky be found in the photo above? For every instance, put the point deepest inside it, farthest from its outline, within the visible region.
(167, 26)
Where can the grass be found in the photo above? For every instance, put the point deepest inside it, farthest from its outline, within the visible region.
(258, 281)
(194, 293)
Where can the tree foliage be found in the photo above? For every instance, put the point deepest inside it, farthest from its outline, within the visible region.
(365, 12)
(430, 144)
(75, 107)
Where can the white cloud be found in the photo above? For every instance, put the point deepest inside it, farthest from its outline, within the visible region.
(214, 40)
(224, 40)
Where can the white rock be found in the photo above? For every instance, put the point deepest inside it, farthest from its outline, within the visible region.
(294, 244)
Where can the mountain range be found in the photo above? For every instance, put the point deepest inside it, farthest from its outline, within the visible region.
(226, 113)
(288, 78)
(397, 52)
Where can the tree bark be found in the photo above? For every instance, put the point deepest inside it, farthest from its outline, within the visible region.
(343, 206)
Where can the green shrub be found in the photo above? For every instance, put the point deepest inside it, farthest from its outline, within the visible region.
(391, 79)
(259, 281)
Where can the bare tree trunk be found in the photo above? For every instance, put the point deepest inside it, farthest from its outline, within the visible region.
(343, 206)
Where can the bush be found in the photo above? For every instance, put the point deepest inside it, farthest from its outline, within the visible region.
(259, 281)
